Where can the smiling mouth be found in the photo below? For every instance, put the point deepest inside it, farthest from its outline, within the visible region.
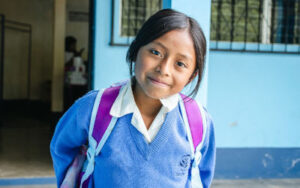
(157, 82)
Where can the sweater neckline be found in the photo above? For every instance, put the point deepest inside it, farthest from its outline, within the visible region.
(147, 149)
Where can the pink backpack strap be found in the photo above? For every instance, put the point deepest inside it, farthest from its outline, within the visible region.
(103, 116)
(195, 120)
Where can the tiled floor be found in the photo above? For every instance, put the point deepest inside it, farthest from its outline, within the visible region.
(24, 143)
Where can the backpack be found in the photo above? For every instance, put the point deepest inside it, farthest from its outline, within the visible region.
(102, 124)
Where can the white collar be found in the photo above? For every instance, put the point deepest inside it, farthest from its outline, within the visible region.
(125, 103)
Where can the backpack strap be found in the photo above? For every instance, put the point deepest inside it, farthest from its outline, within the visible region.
(194, 118)
(101, 125)
(103, 117)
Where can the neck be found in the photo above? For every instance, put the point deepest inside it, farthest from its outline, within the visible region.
(148, 106)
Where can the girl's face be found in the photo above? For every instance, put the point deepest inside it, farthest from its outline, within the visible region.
(164, 66)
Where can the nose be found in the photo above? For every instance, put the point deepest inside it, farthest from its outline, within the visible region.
(164, 67)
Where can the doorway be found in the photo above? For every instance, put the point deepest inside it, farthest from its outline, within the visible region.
(27, 122)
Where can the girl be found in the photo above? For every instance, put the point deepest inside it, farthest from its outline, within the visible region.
(149, 145)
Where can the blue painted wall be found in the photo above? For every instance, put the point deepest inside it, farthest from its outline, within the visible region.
(254, 99)
(109, 61)
(257, 163)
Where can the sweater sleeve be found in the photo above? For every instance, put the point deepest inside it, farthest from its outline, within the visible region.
(208, 151)
(71, 132)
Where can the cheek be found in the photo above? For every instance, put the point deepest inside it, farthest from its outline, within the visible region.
(184, 79)
(137, 69)
(141, 66)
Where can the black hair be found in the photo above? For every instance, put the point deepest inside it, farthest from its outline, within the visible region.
(159, 24)
(69, 41)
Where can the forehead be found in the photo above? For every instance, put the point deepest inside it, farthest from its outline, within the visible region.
(178, 42)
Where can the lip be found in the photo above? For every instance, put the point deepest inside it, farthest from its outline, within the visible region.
(158, 82)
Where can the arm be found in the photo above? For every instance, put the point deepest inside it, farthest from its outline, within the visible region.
(71, 132)
(208, 151)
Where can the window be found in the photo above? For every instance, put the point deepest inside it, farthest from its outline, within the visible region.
(130, 17)
(256, 22)
(286, 22)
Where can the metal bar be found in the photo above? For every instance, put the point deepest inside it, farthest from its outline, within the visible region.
(284, 29)
(286, 24)
(91, 48)
(218, 32)
(259, 24)
(17, 23)
(136, 16)
(112, 40)
(232, 22)
(145, 9)
(246, 24)
(128, 20)
(2, 55)
(298, 25)
(29, 64)
(17, 29)
(21, 27)
(291, 17)
(272, 24)
(255, 51)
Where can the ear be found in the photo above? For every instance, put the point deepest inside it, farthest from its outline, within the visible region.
(192, 77)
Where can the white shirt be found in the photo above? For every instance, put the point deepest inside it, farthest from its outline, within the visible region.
(125, 104)
(77, 76)
(68, 56)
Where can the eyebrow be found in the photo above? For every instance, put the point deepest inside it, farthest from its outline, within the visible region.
(185, 57)
(165, 48)
(160, 44)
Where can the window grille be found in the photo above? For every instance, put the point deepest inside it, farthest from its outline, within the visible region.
(266, 24)
(133, 13)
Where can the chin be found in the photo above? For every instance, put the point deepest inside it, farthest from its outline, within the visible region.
(156, 95)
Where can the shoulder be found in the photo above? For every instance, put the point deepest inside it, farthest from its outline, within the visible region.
(195, 104)
(207, 121)
(208, 133)
(207, 116)
(204, 112)
(84, 105)
(87, 99)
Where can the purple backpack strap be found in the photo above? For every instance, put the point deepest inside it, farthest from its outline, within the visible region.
(103, 116)
(195, 120)
(102, 120)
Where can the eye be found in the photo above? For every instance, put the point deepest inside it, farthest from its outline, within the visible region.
(155, 52)
(180, 64)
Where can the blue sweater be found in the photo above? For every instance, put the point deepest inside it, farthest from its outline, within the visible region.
(127, 160)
